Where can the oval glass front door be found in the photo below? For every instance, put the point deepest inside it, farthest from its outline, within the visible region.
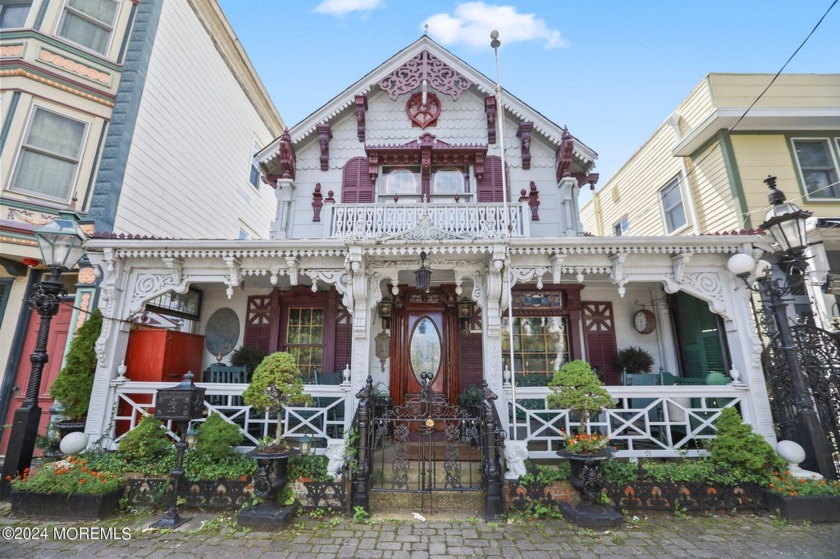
(425, 349)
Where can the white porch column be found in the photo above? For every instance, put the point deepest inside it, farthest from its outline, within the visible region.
(745, 350)
(283, 192)
(491, 331)
(360, 303)
(112, 342)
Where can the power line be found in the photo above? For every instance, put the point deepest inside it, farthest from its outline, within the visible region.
(709, 151)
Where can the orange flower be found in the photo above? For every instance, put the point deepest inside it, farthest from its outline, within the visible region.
(83, 480)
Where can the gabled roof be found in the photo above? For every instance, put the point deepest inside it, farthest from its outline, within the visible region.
(344, 100)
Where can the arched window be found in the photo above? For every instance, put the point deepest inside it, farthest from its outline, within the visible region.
(356, 186)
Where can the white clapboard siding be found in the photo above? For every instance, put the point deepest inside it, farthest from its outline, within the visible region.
(188, 169)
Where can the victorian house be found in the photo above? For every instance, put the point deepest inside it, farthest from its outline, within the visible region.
(425, 223)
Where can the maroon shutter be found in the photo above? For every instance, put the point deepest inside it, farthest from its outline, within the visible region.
(258, 323)
(356, 186)
(343, 337)
(471, 360)
(599, 329)
(490, 185)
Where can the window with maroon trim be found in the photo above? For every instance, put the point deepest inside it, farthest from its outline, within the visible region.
(305, 339)
(541, 336)
(356, 186)
(490, 186)
(405, 184)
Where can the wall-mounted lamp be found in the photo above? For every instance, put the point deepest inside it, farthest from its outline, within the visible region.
(465, 309)
(423, 275)
(384, 307)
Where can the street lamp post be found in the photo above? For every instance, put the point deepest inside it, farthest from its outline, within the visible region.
(61, 248)
(786, 223)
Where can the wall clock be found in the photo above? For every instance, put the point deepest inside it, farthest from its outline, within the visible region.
(644, 321)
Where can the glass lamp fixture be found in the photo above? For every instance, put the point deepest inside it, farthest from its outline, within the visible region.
(785, 221)
(423, 275)
(61, 242)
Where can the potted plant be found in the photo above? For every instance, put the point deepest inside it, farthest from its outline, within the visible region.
(275, 383)
(248, 357)
(71, 388)
(65, 490)
(576, 388)
(634, 360)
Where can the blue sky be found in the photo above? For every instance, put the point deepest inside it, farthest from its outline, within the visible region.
(610, 70)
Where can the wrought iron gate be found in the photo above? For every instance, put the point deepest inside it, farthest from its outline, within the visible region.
(428, 445)
(819, 358)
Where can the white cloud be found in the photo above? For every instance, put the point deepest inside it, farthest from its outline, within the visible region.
(472, 22)
(341, 7)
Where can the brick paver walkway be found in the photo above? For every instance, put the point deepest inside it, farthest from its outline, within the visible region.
(659, 535)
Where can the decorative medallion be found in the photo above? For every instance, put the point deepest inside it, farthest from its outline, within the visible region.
(422, 113)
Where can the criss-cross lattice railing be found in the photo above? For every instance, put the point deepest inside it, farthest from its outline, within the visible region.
(656, 421)
(326, 419)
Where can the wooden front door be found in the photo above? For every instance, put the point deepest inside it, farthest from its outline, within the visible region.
(424, 339)
(59, 327)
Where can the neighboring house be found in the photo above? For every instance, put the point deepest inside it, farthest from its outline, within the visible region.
(402, 173)
(143, 116)
(702, 171)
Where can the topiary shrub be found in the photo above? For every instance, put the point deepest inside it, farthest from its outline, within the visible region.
(736, 447)
(216, 437)
(575, 387)
(73, 384)
(634, 360)
(146, 442)
(276, 381)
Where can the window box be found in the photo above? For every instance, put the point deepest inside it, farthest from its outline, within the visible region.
(61, 506)
(811, 508)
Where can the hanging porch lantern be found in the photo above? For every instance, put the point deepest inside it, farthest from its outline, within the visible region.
(423, 275)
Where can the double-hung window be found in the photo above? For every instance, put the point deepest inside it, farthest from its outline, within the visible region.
(13, 13)
(672, 205)
(49, 157)
(621, 227)
(89, 23)
(305, 339)
(254, 178)
(817, 167)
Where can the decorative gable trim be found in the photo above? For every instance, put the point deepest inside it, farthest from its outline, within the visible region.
(361, 108)
(425, 67)
(490, 109)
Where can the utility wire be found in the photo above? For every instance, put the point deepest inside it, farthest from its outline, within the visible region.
(709, 151)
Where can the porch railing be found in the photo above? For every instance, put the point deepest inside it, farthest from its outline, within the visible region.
(328, 419)
(655, 421)
(470, 221)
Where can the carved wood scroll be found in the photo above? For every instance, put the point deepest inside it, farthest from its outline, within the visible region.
(490, 109)
(287, 155)
(564, 155)
(317, 202)
(425, 66)
(324, 137)
(361, 107)
(524, 134)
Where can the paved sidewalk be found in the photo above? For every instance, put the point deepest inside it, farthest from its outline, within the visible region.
(215, 537)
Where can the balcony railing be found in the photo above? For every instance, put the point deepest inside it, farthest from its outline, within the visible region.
(425, 221)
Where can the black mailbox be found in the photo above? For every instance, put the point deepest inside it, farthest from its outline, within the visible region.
(183, 402)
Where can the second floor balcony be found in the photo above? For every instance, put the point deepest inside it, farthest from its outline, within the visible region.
(426, 221)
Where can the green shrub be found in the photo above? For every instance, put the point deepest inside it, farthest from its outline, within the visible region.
(275, 383)
(634, 360)
(73, 384)
(736, 447)
(575, 387)
(312, 466)
(216, 437)
(146, 442)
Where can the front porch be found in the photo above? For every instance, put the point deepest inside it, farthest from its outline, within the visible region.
(572, 299)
